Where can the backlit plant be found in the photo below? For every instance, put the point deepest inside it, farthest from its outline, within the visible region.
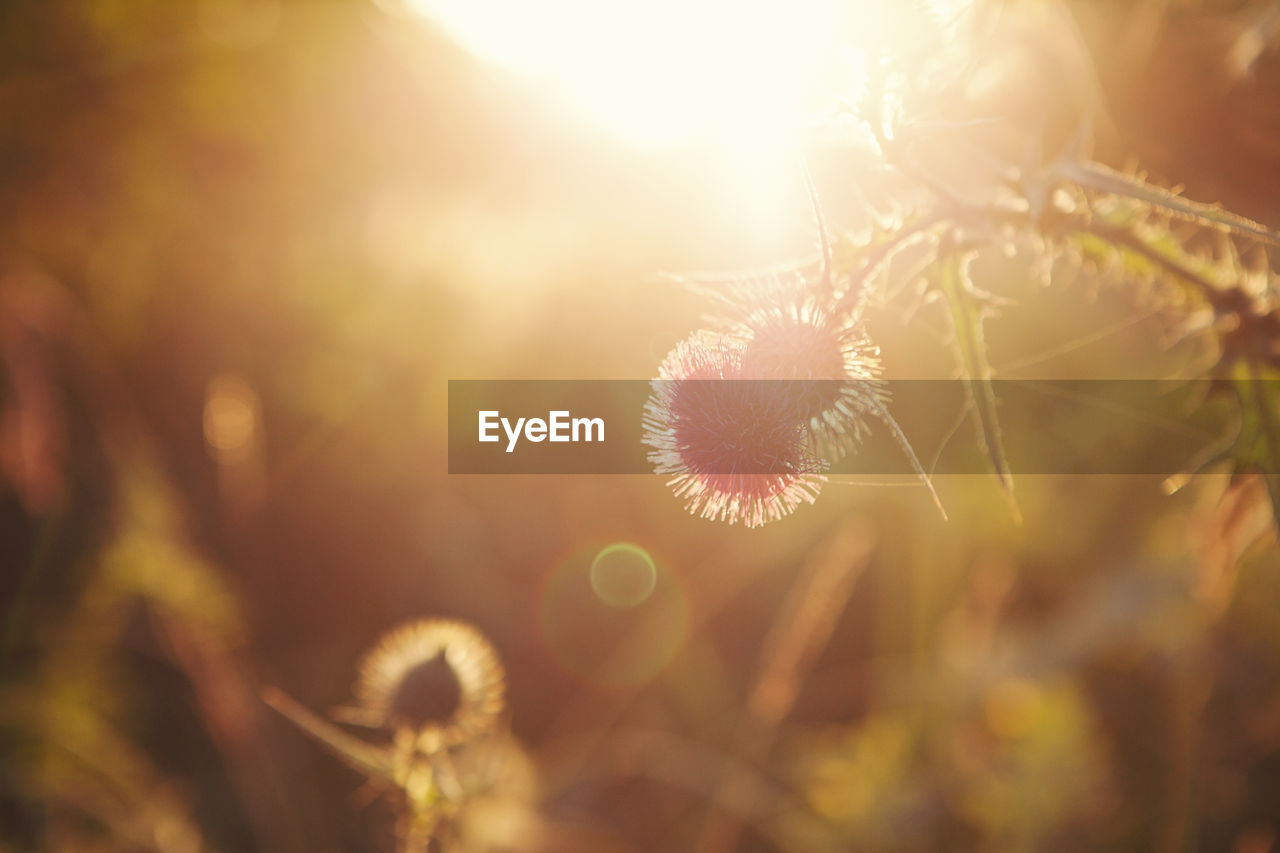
(436, 688)
(804, 322)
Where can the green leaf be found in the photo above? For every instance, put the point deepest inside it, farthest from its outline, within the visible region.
(1257, 447)
(968, 307)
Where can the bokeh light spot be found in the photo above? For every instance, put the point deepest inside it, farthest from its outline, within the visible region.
(230, 417)
(623, 575)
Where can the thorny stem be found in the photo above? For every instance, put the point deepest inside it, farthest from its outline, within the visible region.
(1126, 239)
(1225, 301)
(879, 256)
(824, 240)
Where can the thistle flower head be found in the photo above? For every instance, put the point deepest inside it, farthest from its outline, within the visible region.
(438, 686)
(435, 680)
(738, 449)
(829, 361)
(794, 337)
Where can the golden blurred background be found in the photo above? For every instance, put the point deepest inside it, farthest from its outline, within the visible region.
(243, 247)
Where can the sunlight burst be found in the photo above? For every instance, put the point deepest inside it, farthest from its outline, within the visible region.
(664, 71)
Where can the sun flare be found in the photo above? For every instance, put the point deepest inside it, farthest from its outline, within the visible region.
(664, 71)
(740, 83)
(671, 71)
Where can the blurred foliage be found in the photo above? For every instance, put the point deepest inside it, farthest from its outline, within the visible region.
(242, 247)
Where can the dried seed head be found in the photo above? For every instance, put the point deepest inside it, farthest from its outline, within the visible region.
(436, 678)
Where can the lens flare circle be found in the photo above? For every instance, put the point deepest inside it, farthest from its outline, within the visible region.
(623, 575)
(605, 644)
